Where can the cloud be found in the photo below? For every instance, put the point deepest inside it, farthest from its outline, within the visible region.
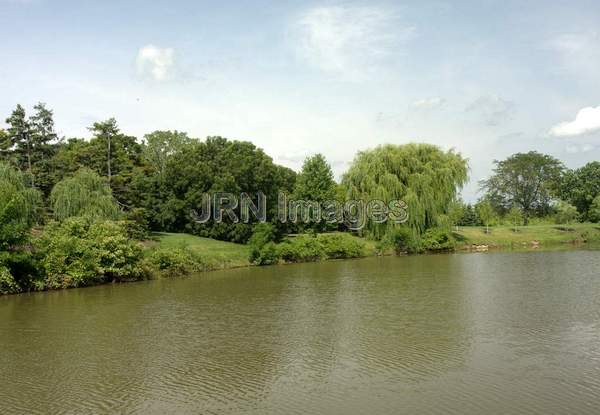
(348, 41)
(573, 149)
(155, 63)
(428, 103)
(579, 53)
(587, 121)
(492, 109)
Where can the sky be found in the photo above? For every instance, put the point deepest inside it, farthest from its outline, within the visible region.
(487, 78)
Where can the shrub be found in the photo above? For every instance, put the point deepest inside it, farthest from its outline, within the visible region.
(8, 285)
(264, 233)
(302, 248)
(438, 239)
(566, 213)
(172, 262)
(80, 252)
(341, 245)
(403, 240)
(594, 212)
(23, 269)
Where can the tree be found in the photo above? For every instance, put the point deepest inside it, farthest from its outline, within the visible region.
(594, 211)
(20, 137)
(580, 187)
(565, 212)
(456, 211)
(486, 213)
(315, 183)
(514, 217)
(105, 132)
(84, 194)
(426, 178)
(19, 206)
(160, 146)
(527, 180)
(28, 143)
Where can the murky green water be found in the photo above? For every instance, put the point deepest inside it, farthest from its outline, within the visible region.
(450, 334)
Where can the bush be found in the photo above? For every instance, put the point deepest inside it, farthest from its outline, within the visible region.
(172, 262)
(341, 245)
(302, 248)
(8, 285)
(264, 233)
(594, 212)
(80, 252)
(438, 239)
(403, 240)
(23, 269)
(566, 213)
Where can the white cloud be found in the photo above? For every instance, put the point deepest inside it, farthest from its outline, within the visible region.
(587, 121)
(573, 149)
(492, 109)
(155, 63)
(428, 103)
(348, 41)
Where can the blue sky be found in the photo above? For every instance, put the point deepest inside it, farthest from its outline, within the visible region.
(488, 78)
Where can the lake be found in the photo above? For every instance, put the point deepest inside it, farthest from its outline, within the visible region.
(440, 334)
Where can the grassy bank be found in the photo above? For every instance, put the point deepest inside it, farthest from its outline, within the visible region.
(504, 237)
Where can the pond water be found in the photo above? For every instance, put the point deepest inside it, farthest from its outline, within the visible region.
(443, 334)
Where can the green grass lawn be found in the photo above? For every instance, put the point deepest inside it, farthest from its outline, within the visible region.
(505, 237)
(235, 254)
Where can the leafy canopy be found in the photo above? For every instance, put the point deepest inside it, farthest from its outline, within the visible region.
(84, 194)
(425, 177)
(527, 180)
(19, 205)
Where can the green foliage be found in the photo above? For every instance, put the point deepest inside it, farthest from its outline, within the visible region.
(341, 245)
(404, 240)
(264, 234)
(315, 183)
(19, 206)
(437, 240)
(594, 211)
(81, 251)
(160, 146)
(566, 213)
(527, 180)
(581, 187)
(302, 248)
(175, 261)
(469, 217)
(8, 285)
(514, 217)
(486, 213)
(426, 178)
(84, 194)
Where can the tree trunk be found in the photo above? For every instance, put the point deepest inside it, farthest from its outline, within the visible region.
(108, 159)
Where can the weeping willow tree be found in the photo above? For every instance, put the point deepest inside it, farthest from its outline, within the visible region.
(426, 178)
(84, 194)
(19, 206)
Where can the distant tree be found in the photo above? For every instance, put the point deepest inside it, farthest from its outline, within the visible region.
(315, 183)
(105, 132)
(426, 178)
(566, 212)
(514, 217)
(29, 141)
(84, 194)
(594, 211)
(19, 206)
(580, 187)
(20, 137)
(470, 217)
(5, 145)
(527, 180)
(486, 213)
(456, 211)
(160, 146)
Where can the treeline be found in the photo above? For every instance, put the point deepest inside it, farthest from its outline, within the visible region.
(71, 210)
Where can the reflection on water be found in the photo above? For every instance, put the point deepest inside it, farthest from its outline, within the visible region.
(468, 333)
